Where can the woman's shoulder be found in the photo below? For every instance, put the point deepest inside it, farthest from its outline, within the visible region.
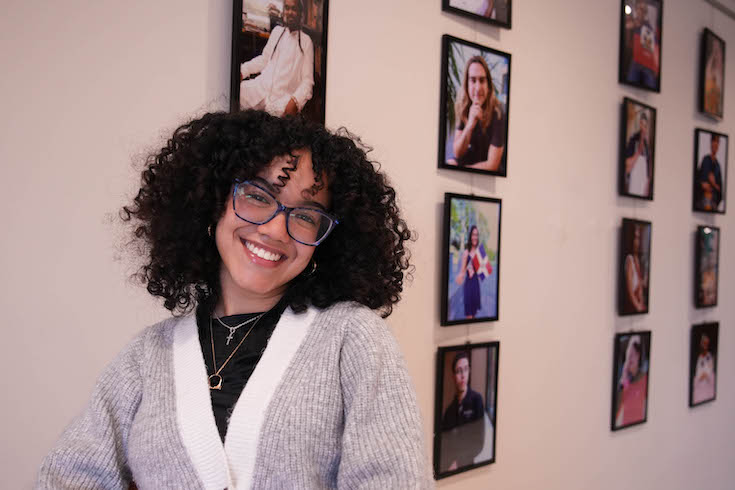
(157, 336)
(355, 322)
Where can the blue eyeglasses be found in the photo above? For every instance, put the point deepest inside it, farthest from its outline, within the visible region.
(254, 204)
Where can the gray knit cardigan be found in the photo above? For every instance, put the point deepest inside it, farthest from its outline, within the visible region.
(329, 405)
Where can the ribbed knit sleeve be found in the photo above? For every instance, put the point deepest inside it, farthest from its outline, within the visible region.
(91, 452)
(382, 443)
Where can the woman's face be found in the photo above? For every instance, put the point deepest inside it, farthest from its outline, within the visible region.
(474, 237)
(477, 83)
(258, 261)
(461, 374)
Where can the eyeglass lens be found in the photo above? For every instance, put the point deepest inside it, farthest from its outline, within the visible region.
(256, 205)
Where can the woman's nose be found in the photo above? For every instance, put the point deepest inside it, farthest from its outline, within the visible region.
(275, 228)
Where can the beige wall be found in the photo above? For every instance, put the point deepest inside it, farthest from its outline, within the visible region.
(89, 86)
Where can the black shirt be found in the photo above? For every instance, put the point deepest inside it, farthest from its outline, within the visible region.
(237, 372)
(469, 410)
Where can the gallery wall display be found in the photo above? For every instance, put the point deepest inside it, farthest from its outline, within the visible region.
(473, 114)
(637, 152)
(707, 266)
(470, 259)
(279, 57)
(640, 43)
(710, 171)
(703, 364)
(634, 267)
(631, 368)
(466, 407)
(495, 12)
(712, 75)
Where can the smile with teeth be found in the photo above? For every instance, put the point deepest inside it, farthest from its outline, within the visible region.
(263, 254)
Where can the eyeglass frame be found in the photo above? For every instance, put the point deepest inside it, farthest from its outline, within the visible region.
(286, 209)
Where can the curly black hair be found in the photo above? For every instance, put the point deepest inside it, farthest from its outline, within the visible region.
(186, 184)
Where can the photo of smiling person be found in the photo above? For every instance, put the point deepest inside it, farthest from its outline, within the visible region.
(474, 115)
(277, 246)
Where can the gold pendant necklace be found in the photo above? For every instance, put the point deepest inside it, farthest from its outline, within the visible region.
(215, 380)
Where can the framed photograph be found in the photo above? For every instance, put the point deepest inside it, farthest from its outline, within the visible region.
(707, 266)
(710, 171)
(712, 75)
(703, 364)
(473, 113)
(466, 407)
(631, 367)
(496, 12)
(471, 259)
(638, 144)
(640, 43)
(635, 266)
(279, 57)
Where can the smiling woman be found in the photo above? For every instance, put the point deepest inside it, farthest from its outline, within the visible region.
(274, 370)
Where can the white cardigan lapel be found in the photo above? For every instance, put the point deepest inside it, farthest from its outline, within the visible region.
(241, 442)
(194, 414)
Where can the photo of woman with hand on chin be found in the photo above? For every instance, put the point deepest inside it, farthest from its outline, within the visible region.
(276, 369)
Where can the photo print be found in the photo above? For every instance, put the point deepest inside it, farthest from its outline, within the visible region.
(703, 364)
(473, 113)
(635, 266)
(466, 407)
(710, 171)
(471, 259)
(279, 57)
(640, 44)
(631, 367)
(495, 12)
(707, 266)
(637, 150)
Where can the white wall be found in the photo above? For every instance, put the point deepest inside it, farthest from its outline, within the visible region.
(91, 86)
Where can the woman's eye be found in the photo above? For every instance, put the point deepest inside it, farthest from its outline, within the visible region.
(257, 198)
(305, 219)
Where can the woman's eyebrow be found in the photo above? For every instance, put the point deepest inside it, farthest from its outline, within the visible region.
(277, 190)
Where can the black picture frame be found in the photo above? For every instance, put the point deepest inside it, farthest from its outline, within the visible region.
(458, 58)
(634, 283)
(636, 177)
(630, 383)
(712, 58)
(465, 441)
(250, 39)
(703, 363)
(500, 14)
(641, 44)
(707, 266)
(470, 278)
(709, 200)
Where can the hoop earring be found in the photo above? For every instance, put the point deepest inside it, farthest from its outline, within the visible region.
(210, 231)
(311, 270)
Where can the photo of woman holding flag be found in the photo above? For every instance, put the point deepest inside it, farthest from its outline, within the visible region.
(472, 250)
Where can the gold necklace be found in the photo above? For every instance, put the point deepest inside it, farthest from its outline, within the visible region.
(215, 380)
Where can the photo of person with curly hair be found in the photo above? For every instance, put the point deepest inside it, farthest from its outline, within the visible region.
(277, 246)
